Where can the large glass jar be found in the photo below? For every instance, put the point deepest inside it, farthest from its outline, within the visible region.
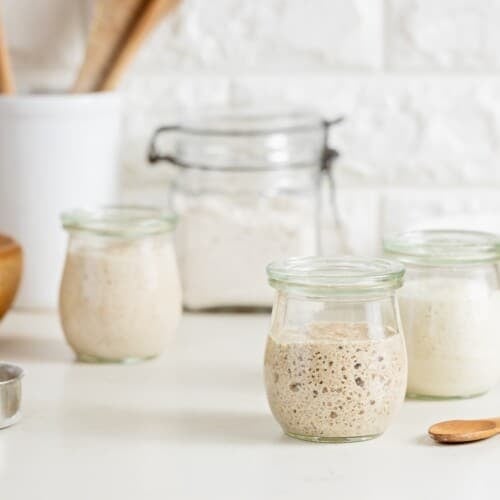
(247, 191)
(450, 310)
(120, 298)
(335, 361)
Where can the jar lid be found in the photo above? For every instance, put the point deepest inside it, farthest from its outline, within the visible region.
(444, 247)
(330, 276)
(120, 221)
(250, 121)
(245, 139)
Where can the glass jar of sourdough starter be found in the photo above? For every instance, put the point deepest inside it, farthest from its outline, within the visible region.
(247, 191)
(335, 362)
(450, 310)
(120, 296)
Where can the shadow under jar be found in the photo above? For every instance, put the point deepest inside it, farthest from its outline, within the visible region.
(450, 310)
(247, 189)
(335, 362)
(120, 297)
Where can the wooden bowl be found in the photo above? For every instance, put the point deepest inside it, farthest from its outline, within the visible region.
(11, 264)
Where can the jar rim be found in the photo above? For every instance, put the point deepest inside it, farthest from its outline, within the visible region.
(332, 276)
(445, 247)
(242, 120)
(123, 221)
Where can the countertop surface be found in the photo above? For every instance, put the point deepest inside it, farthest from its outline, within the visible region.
(194, 424)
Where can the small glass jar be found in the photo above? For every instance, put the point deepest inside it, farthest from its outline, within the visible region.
(248, 192)
(120, 298)
(335, 362)
(450, 310)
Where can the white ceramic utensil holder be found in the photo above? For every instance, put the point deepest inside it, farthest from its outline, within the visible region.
(57, 152)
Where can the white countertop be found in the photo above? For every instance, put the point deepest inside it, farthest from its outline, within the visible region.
(195, 424)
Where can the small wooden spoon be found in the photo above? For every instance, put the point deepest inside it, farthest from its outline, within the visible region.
(464, 431)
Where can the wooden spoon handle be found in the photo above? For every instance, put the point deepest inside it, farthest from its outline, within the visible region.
(6, 76)
(111, 22)
(151, 13)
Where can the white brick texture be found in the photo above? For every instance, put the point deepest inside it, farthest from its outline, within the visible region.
(473, 209)
(267, 36)
(418, 81)
(444, 34)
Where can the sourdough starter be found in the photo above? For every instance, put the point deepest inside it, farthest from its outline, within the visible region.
(339, 380)
(121, 300)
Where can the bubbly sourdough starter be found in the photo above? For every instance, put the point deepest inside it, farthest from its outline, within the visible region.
(452, 330)
(122, 300)
(337, 381)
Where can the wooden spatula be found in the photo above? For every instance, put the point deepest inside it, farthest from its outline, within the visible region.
(111, 24)
(149, 16)
(6, 76)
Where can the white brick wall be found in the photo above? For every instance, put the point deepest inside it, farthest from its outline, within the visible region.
(419, 81)
(456, 35)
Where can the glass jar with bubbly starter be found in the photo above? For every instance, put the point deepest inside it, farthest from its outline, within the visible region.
(450, 310)
(120, 297)
(247, 191)
(335, 361)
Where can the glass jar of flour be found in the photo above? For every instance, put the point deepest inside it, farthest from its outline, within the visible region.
(335, 363)
(450, 310)
(247, 191)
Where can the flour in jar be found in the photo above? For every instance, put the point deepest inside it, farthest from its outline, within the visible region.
(452, 329)
(224, 247)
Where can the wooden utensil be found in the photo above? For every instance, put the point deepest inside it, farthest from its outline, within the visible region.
(6, 75)
(11, 262)
(111, 23)
(464, 431)
(149, 16)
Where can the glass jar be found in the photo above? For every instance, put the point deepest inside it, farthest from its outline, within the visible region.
(120, 298)
(450, 310)
(248, 192)
(335, 362)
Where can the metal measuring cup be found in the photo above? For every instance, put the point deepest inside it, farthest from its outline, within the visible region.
(10, 394)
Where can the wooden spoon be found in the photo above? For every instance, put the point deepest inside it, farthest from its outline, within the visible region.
(6, 76)
(464, 431)
(152, 12)
(111, 23)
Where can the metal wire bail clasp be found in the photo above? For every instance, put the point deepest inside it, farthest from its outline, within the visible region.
(329, 154)
(153, 155)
